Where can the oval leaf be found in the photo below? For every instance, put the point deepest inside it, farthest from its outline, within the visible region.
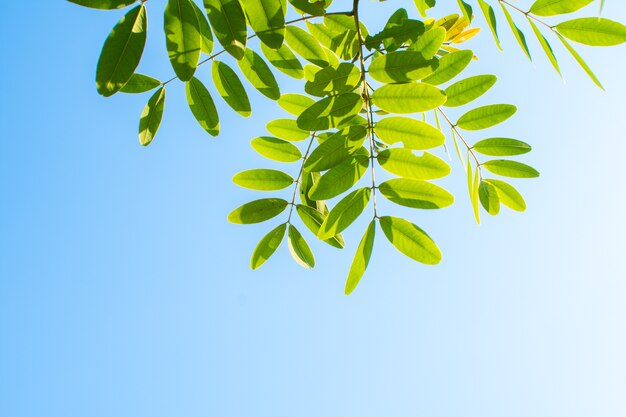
(489, 199)
(299, 249)
(468, 90)
(402, 66)
(336, 149)
(258, 211)
(140, 83)
(408, 98)
(340, 179)
(511, 169)
(306, 46)
(413, 134)
(361, 258)
(295, 103)
(284, 60)
(509, 196)
(450, 66)
(287, 129)
(593, 31)
(229, 25)
(313, 219)
(501, 147)
(486, 116)
(104, 4)
(263, 179)
(122, 52)
(330, 112)
(345, 213)
(276, 149)
(405, 163)
(182, 37)
(267, 19)
(267, 246)
(259, 74)
(230, 88)
(416, 194)
(410, 240)
(202, 106)
(151, 117)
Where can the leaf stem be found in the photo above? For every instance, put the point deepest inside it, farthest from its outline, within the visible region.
(527, 14)
(454, 128)
(299, 178)
(366, 96)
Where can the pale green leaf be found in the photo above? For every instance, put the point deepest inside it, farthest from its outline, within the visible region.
(408, 98)
(287, 129)
(295, 103)
(139, 83)
(267, 19)
(486, 116)
(415, 193)
(511, 169)
(468, 90)
(306, 46)
(401, 66)
(284, 61)
(276, 149)
(450, 66)
(313, 219)
(229, 25)
(413, 134)
(410, 240)
(593, 31)
(263, 179)
(501, 147)
(489, 199)
(557, 7)
(341, 178)
(330, 112)
(509, 196)
(404, 163)
(336, 149)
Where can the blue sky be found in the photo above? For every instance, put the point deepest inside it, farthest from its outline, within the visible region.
(124, 291)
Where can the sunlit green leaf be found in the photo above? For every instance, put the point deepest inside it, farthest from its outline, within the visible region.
(361, 258)
(557, 7)
(284, 60)
(104, 4)
(489, 199)
(313, 219)
(509, 196)
(545, 45)
(468, 90)
(259, 74)
(414, 134)
(430, 42)
(230, 88)
(410, 240)
(486, 116)
(336, 149)
(122, 52)
(287, 129)
(295, 103)
(408, 98)
(330, 112)
(229, 25)
(306, 46)
(501, 147)
(401, 66)
(580, 61)
(339, 179)
(206, 36)
(258, 211)
(517, 33)
(182, 37)
(151, 117)
(276, 149)
(450, 66)
(511, 169)
(593, 31)
(415, 193)
(267, 19)
(334, 80)
(139, 83)
(202, 106)
(299, 249)
(404, 163)
(490, 17)
(263, 179)
(267, 246)
(345, 213)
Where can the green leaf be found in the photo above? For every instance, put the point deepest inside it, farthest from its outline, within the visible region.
(287, 129)
(259, 74)
(413, 134)
(580, 61)
(501, 147)
(307, 181)
(336, 149)
(333, 80)
(104, 4)
(404, 163)
(490, 17)
(509, 196)
(122, 52)
(267, 19)
(317, 8)
(258, 211)
(486, 116)
(284, 60)
(330, 112)
(474, 193)
(313, 219)
(408, 98)
(593, 31)
(139, 83)
(557, 7)
(401, 66)
(263, 179)
(276, 149)
(361, 258)
(206, 36)
(340, 179)
(299, 249)
(345, 213)
(466, 9)
(450, 66)
(306, 46)
(230, 88)
(267, 246)
(511, 169)
(415, 194)
(517, 33)
(295, 103)
(410, 240)
(468, 90)
(229, 25)
(151, 117)
(489, 199)
(182, 37)
(202, 106)
(545, 45)
(430, 42)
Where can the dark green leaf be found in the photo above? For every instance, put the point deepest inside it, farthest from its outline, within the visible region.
(259, 74)
(401, 66)
(202, 106)
(182, 37)
(140, 83)
(151, 117)
(104, 4)
(206, 36)
(230, 88)
(229, 25)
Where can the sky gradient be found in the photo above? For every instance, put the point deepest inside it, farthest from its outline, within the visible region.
(125, 292)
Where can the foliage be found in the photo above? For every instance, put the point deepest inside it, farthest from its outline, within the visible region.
(374, 106)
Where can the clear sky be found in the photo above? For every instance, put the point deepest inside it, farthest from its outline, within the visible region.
(125, 292)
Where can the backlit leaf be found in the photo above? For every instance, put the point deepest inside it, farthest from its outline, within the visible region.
(139, 83)
(229, 25)
(410, 240)
(414, 134)
(486, 116)
(259, 74)
(202, 106)
(557, 7)
(299, 249)
(509, 196)
(336, 149)
(401, 66)
(287, 129)
(276, 149)
(408, 98)
(267, 19)
(501, 147)
(361, 258)
(489, 199)
(258, 211)
(295, 103)
(339, 179)
(306, 46)
(468, 90)
(182, 37)
(267, 246)
(450, 66)
(284, 61)
(330, 112)
(345, 213)
(511, 169)
(230, 88)
(313, 219)
(263, 179)
(593, 31)
(151, 117)
(404, 163)
(415, 193)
